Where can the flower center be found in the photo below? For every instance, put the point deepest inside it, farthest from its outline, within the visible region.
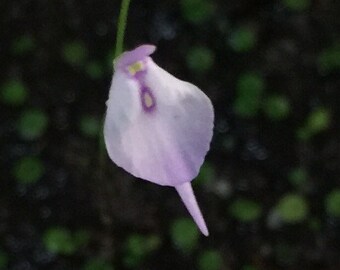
(135, 68)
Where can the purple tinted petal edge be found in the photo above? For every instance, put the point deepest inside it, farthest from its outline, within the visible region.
(130, 57)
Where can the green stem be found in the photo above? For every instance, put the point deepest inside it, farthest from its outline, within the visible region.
(123, 14)
(121, 27)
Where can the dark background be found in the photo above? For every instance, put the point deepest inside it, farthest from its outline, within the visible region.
(269, 189)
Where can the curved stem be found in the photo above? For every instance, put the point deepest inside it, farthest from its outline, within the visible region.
(121, 26)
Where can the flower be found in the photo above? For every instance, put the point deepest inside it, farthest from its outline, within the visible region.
(157, 127)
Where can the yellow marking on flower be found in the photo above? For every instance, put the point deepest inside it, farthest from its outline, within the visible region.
(148, 101)
(135, 67)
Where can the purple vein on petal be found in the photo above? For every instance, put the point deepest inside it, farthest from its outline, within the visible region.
(147, 98)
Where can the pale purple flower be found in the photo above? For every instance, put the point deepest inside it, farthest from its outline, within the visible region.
(158, 127)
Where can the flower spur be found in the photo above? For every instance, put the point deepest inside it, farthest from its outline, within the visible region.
(157, 127)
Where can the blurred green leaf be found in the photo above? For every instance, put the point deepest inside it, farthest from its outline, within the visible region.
(184, 234)
(22, 45)
(229, 143)
(249, 267)
(14, 93)
(249, 90)
(81, 238)
(210, 260)
(245, 210)
(138, 247)
(32, 124)
(292, 208)
(332, 203)
(285, 253)
(200, 59)
(277, 107)
(75, 53)
(3, 260)
(95, 70)
(135, 245)
(110, 59)
(314, 224)
(318, 121)
(97, 264)
(197, 11)
(329, 58)
(297, 5)
(303, 134)
(298, 177)
(60, 240)
(243, 39)
(28, 170)
(90, 126)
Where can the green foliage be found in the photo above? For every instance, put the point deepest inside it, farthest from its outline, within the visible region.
(298, 177)
(229, 143)
(303, 134)
(90, 126)
(329, 58)
(32, 124)
(206, 174)
(97, 264)
(81, 238)
(184, 234)
(319, 120)
(297, 5)
(314, 224)
(197, 11)
(250, 87)
(292, 208)
(28, 170)
(110, 59)
(75, 53)
(95, 70)
(245, 210)
(277, 107)
(210, 260)
(3, 260)
(243, 39)
(249, 267)
(14, 93)
(61, 241)
(138, 247)
(285, 253)
(200, 59)
(23, 45)
(332, 203)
